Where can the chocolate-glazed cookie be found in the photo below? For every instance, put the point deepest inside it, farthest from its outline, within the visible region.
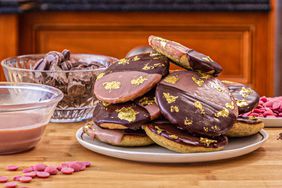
(119, 87)
(246, 98)
(245, 126)
(151, 63)
(184, 56)
(148, 101)
(124, 138)
(172, 138)
(120, 116)
(130, 78)
(196, 102)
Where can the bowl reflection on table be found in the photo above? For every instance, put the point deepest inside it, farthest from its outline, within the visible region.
(77, 85)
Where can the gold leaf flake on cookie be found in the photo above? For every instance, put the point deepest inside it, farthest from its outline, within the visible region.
(207, 58)
(169, 98)
(207, 141)
(245, 92)
(127, 113)
(230, 105)
(217, 87)
(150, 67)
(105, 104)
(242, 103)
(199, 106)
(171, 79)
(100, 75)
(204, 75)
(215, 127)
(187, 121)
(173, 136)
(159, 130)
(147, 67)
(138, 81)
(112, 85)
(199, 82)
(123, 61)
(174, 109)
(136, 58)
(146, 101)
(222, 113)
(206, 129)
(154, 53)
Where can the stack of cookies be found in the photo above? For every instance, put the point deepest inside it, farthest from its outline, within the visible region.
(142, 103)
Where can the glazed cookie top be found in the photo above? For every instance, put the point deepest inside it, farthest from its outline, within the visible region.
(130, 78)
(184, 56)
(172, 133)
(246, 98)
(151, 63)
(128, 114)
(248, 120)
(196, 102)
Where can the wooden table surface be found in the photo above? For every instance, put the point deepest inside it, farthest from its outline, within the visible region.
(262, 168)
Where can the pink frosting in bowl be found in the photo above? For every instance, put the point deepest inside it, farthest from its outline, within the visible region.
(25, 110)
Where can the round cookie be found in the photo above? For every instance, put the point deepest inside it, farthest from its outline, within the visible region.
(246, 98)
(196, 102)
(130, 78)
(121, 87)
(120, 116)
(245, 126)
(148, 101)
(168, 136)
(184, 56)
(124, 138)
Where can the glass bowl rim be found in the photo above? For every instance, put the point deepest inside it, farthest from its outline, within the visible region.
(6, 66)
(31, 105)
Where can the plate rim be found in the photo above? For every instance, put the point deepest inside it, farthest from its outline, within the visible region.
(263, 133)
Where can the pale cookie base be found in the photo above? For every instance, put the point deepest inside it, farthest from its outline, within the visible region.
(241, 129)
(133, 141)
(112, 126)
(174, 146)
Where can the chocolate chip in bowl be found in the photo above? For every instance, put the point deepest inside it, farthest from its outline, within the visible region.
(73, 74)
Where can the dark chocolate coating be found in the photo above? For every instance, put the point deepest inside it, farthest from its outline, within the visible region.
(128, 114)
(248, 120)
(151, 63)
(102, 111)
(172, 133)
(184, 56)
(246, 98)
(196, 103)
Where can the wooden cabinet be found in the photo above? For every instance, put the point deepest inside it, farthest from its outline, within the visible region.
(240, 41)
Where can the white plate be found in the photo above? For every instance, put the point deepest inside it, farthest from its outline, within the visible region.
(272, 122)
(157, 154)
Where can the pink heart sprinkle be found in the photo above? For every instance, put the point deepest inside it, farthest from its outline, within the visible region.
(11, 184)
(67, 170)
(3, 179)
(75, 166)
(30, 174)
(12, 167)
(16, 178)
(52, 170)
(39, 167)
(42, 174)
(25, 179)
(29, 169)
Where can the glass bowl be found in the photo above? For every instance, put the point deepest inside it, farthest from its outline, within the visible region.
(77, 85)
(25, 110)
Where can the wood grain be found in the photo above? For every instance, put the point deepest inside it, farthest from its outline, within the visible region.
(239, 41)
(260, 169)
